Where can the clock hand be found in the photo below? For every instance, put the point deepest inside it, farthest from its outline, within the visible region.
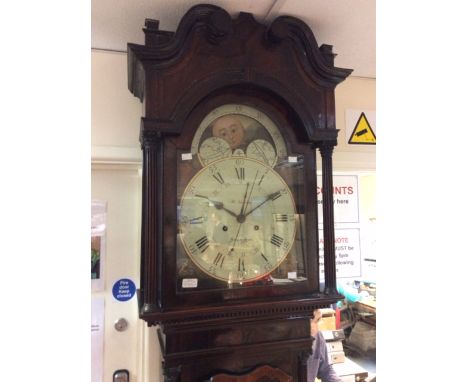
(218, 205)
(272, 196)
(250, 195)
(234, 244)
(243, 202)
(240, 218)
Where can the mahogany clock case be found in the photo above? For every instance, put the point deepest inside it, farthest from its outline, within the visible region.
(210, 61)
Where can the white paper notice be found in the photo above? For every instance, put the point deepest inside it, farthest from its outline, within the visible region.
(189, 283)
(345, 198)
(347, 252)
(97, 338)
(292, 275)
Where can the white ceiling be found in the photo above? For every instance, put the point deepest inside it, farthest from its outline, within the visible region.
(347, 25)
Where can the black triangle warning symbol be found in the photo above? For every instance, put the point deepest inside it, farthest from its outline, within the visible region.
(362, 133)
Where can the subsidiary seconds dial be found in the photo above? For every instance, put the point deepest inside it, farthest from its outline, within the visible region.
(237, 219)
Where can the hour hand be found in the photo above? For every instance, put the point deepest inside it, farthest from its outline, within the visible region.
(218, 205)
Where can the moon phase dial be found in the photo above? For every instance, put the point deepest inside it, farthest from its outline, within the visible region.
(238, 130)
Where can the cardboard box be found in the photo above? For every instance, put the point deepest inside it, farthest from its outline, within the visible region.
(328, 321)
(363, 337)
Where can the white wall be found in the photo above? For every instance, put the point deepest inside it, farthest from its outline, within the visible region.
(115, 112)
(120, 187)
(116, 158)
(116, 179)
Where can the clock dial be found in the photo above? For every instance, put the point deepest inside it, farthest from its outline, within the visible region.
(237, 219)
(238, 130)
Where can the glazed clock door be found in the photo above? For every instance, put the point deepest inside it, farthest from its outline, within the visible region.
(240, 204)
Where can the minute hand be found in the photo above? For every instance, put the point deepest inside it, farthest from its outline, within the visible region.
(269, 197)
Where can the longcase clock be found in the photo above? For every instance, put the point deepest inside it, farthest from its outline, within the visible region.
(235, 113)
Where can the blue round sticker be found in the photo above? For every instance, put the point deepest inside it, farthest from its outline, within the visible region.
(123, 289)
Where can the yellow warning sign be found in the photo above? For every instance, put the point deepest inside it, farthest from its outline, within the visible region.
(362, 133)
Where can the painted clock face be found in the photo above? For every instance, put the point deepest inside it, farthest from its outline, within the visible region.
(237, 219)
(238, 130)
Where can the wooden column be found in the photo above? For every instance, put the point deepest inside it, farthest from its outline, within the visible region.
(151, 145)
(326, 151)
